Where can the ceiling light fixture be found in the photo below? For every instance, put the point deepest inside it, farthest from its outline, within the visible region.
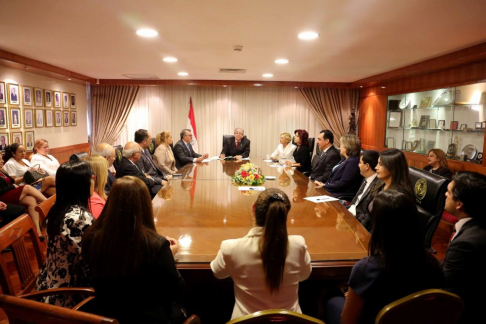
(146, 32)
(282, 61)
(69, 79)
(258, 84)
(183, 73)
(267, 75)
(383, 87)
(309, 35)
(170, 59)
(360, 86)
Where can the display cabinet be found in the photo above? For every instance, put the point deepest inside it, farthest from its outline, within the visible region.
(452, 119)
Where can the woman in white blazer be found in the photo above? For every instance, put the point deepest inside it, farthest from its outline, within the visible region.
(285, 150)
(163, 155)
(267, 264)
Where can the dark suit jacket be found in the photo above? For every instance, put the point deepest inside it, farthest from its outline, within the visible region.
(443, 172)
(182, 154)
(111, 180)
(327, 161)
(345, 179)
(302, 156)
(464, 269)
(127, 168)
(147, 167)
(362, 206)
(229, 147)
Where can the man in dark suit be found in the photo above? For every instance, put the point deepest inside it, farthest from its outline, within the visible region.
(359, 205)
(146, 164)
(132, 152)
(237, 145)
(108, 152)
(465, 263)
(183, 151)
(3, 144)
(327, 160)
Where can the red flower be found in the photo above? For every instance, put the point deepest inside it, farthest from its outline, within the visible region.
(257, 176)
(244, 174)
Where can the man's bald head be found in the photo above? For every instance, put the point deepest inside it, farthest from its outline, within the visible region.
(130, 151)
(107, 151)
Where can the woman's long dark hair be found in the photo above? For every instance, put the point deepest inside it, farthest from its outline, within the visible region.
(10, 151)
(123, 239)
(271, 209)
(396, 236)
(395, 162)
(73, 182)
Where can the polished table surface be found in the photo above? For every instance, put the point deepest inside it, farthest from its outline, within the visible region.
(203, 208)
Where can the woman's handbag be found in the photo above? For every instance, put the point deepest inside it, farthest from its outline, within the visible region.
(34, 174)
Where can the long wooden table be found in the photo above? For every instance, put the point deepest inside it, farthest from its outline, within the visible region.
(203, 208)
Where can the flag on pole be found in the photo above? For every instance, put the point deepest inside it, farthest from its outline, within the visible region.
(191, 124)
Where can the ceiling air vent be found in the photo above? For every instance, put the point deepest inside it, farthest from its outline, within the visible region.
(141, 76)
(232, 70)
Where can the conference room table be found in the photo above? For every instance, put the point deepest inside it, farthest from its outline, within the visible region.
(203, 208)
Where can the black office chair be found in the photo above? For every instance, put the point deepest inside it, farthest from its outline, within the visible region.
(430, 192)
(118, 155)
(80, 156)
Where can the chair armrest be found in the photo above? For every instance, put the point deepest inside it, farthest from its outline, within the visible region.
(84, 302)
(59, 291)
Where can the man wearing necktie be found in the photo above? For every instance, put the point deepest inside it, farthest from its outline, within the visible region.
(146, 164)
(237, 146)
(132, 152)
(464, 263)
(108, 152)
(183, 151)
(327, 160)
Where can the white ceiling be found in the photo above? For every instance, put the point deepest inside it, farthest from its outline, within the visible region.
(358, 38)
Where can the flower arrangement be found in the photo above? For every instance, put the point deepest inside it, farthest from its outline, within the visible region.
(248, 175)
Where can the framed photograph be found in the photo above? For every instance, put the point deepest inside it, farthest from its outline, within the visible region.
(74, 118)
(28, 118)
(441, 123)
(425, 102)
(39, 101)
(39, 118)
(483, 125)
(432, 124)
(3, 117)
(2, 93)
(49, 118)
(29, 140)
(424, 121)
(48, 98)
(57, 99)
(65, 100)
(4, 141)
(27, 95)
(390, 142)
(66, 118)
(454, 124)
(395, 119)
(57, 118)
(463, 126)
(17, 137)
(13, 94)
(430, 145)
(73, 100)
(15, 118)
(478, 125)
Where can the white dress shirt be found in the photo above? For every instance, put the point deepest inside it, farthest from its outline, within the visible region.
(369, 180)
(284, 153)
(459, 225)
(15, 169)
(48, 163)
(240, 259)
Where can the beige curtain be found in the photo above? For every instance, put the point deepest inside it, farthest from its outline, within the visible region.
(108, 111)
(335, 109)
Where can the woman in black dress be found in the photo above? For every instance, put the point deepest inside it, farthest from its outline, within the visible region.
(438, 164)
(302, 153)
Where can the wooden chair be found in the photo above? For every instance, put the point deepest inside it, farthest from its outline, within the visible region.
(20, 311)
(426, 306)
(44, 207)
(276, 315)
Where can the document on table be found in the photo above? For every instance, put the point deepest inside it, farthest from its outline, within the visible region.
(267, 160)
(321, 199)
(248, 188)
(211, 159)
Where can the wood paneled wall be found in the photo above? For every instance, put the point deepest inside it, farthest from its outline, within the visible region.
(62, 154)
(372, 122)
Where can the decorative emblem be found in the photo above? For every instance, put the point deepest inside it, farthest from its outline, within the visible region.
(119, 155)
(420, 189)
(151, 148)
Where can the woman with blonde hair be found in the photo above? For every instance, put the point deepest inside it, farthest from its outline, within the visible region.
(438, 163)
(285, 150)
(43, 158)
(99, 165)
(163, 155)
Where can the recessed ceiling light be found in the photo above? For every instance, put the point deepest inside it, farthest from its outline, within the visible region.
(183, 73)
(224, 86)
(170, 59)
(69, 79)
(360, 86)
(308, 35)
(282, 61)
(258, 84)
(383, 87)
(267, 75)
(296, 87)
(146, 32)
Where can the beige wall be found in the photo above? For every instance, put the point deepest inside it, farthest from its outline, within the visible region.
(56, 136)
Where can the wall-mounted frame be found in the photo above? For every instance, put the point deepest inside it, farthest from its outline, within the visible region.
(3, 117)
(73, 100)
(424, 121)
(65, 118)
(49, 118)
(13, 94)
(390, 142)
(57, 118)
(39, 100)
(48, 98)
(15, 117)
(16, 137)
(39, 118)
(65, 100)
(425, 102)
(29, 140)
(4, 141)
(395, 119)
(74, 118)
(463, 126)
(27, 95)
(441, 123)
(57, 99)
(3, 97)
(28, 117)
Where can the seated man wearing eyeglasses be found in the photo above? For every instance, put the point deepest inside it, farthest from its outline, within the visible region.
(183, 151)
(237, 146)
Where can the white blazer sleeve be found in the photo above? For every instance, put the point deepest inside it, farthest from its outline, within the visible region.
(305, 262)
(218, 265)
(276, 153)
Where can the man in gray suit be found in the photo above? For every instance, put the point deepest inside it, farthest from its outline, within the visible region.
(146, 164)
(183, 151)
